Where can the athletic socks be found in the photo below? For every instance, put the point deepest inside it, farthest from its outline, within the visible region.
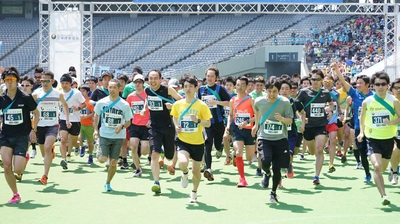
(240, 166)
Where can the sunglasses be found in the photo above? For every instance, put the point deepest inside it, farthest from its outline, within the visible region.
(316, 79)
(45, 80)
(10, 79)
(383, 84)
(396, 87)
(25, 85)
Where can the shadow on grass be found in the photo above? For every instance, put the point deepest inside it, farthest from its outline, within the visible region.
(287, 207)
(52, 189)
(224, 181)
(41, 164)
(124, 193)
(322, 187)
(298, 191)
(173, 194)
(27, 205)
(79, 170)
(390, 208)
(339, 177)
(203, 207)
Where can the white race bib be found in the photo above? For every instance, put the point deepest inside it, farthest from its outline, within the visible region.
(70, 110)
(273, 127)
(137, 107)
(317, 110)
(13, 117)
(378, 117)
(289, 127)
(205, 99)
(49, 111)
(241, 117)
(226, 111)
(188, 125)
(155, 103)
(112, 120)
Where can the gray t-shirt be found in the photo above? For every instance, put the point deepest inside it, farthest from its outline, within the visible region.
(273, 129)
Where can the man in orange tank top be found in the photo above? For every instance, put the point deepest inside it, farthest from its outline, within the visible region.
(242, 113)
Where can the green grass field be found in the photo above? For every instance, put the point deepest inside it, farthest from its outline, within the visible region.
(77, 196)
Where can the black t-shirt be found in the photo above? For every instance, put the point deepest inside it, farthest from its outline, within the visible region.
(293, 129)
(162, 118)
(98, 94)
(217, 113)
(22, 105)
(315, 111)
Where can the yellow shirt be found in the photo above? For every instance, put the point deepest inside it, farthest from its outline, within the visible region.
(191, 133)
(374, 116)
(342, 98)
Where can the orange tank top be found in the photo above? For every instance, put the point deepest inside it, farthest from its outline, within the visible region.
(242, 110)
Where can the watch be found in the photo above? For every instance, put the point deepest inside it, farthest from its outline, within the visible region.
(198, 121)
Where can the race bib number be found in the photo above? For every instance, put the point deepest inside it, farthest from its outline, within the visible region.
(48, 112)
(13, 117)
(317, 110)
(84, 111)
(70, 110)
(155, 103)
(273, 127)
(112, 120)
(377, 119)
(226, 111)
(137, 107)
(241, 117)
(188, 125)
(205, 99)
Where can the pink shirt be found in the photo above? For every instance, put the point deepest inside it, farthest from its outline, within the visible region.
(136, 102)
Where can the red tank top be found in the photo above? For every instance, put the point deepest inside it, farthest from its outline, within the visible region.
(242, 110)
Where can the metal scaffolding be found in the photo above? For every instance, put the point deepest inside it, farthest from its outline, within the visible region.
(389, 11)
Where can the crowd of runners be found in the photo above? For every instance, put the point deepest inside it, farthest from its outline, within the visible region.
(183, 120)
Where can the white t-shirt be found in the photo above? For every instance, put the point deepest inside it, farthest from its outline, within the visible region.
(74, 100)
(48, 107)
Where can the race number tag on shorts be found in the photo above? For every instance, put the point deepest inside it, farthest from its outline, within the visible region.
(241, 117)
(273, 127)
(48, 111)
(137, 107)
(13, 117)
(377, 119)
(70, 110)
(155, 103)
(112, 120)
(226, 111)
(205, 99)
(317, 110)
(188, 125)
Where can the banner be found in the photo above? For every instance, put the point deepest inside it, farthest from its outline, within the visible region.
(65, 43)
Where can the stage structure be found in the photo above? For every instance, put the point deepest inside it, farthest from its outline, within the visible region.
(390, 11)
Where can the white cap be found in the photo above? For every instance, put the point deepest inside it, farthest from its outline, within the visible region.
(138, 76)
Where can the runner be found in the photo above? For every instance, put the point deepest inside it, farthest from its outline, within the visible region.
(379, 116)
(162, 131)
(48, 99)
(242, 115)
(358, 97)
(139, 129)
(394, 161)
(190, 115)
(16, 129)
(216, 97)
(69, 135)
(229, 84)
(115, 115)
(313, 101)
(273, 114)
(87, 128)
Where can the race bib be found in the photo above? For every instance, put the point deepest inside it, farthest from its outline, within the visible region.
(188, 125)
(205, 99)
(48, 111)
(289, 127)
(377, 119)
(155, 103)
(317, 110)
(70, 110)
(273, 127)
(334, 107)
(241, 117)
(137, 107)
(112, 120)
(84, 111)
(13, 117)
(226, 111)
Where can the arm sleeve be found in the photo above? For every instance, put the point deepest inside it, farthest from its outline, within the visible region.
(127, 113)
(97, 109)
(174, 111)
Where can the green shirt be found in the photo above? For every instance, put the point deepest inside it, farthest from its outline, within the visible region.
(130, 88)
